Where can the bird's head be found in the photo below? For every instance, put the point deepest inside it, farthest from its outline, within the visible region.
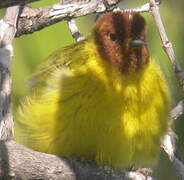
(120, 38)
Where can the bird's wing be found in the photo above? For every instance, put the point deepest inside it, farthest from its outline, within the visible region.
(66, 58)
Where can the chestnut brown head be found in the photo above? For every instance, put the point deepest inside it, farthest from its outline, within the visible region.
(121, 40)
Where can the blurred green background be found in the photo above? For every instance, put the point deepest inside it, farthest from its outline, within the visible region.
(31, 50)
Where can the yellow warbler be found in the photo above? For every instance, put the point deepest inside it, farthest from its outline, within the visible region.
(101, 98)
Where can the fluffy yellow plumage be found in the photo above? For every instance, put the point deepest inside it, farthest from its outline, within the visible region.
(83, 105)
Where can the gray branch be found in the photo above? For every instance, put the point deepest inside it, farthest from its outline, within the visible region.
(7, 33)
(75, 31)
(170, 146)
(34, 19)
(178, 110)
(167, 45)
(19, 162)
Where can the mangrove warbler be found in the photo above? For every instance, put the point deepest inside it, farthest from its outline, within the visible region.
(102, 98)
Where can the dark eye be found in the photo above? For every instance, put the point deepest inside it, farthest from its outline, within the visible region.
(113, 36)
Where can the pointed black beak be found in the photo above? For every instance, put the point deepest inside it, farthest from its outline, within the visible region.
(137, 43)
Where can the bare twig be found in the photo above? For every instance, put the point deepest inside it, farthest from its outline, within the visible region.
(170, 147)
(34, 19)
(178, 110)
(7, 33)
(169, 143)
(74, 30)
(166, 43)
(144, 8)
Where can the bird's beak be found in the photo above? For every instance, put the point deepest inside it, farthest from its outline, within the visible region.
(137, 43)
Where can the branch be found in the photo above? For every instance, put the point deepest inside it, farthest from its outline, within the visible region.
(166, 43)
(34, 19)
(7, 33)
(170, 147)
(141, 9)
(170, 144)
(7, 3)
(75, 31)
(178, 110)
(170, 140)
(19, 162)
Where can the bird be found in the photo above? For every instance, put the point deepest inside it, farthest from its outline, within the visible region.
(103, 98)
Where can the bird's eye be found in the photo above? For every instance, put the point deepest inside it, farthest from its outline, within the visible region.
(113, 36)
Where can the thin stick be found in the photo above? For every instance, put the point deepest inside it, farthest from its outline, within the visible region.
(178, 110)
(170, 147)
(154, 9)
(169, 142)
(74, 30)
